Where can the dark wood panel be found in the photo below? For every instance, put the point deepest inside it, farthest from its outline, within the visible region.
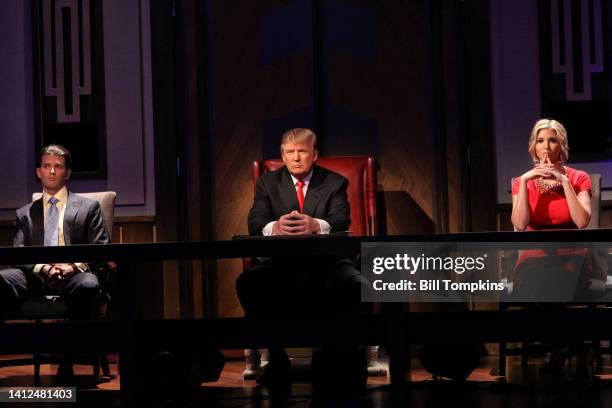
(150, 274)
(136, 232)
(392, 90)
(183, 162)
(163, 67)
(6, 235)
(244, 94)
(605, 219)
(116, 235)
(503, 219)
(135, 219)
(480, 209)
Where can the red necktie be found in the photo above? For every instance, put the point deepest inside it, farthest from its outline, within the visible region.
(300, 193)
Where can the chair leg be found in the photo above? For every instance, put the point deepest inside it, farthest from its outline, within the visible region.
(36, 358)
(597, 355)
(104, 364)
(96, 368)
(502, 359)
(525, 353)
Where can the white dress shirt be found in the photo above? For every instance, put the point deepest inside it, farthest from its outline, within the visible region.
(325, 227)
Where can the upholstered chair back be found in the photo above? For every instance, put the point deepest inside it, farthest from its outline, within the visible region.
(361, 174)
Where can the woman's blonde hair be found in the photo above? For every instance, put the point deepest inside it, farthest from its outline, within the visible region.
(559, 130)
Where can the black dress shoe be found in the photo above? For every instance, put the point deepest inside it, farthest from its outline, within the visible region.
(277, 373)
(65, 374)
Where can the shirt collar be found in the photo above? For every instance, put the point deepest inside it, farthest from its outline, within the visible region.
(306, 179)
(62, 196)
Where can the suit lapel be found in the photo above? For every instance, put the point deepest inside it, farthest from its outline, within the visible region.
(287, 191)
(314, 192)
(70, 213)
(38, 222)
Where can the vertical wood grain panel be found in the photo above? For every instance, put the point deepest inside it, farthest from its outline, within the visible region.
(244, 93)
(605, 219)
(137, 232)
(150, 274)
(393, 90)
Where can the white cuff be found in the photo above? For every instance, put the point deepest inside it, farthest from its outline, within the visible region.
(267, 230)
(37, 268)
(82, 267)
(325, 227)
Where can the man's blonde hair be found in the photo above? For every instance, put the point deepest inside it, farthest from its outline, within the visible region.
(561, 134)
(299, 135)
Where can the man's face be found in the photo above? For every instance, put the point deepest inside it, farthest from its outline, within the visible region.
(299, 158)
(52, 173)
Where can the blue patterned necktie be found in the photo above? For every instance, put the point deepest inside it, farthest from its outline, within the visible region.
(51, 230)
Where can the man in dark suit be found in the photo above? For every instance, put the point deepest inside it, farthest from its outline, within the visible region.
(301, 199)
(276, 208)
(58, 218)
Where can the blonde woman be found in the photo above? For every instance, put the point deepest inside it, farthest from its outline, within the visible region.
(552, 195)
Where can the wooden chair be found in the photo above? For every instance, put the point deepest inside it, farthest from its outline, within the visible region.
(361, 173)
(39, 308)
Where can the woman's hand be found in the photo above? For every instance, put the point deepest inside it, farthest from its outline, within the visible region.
(545, 169)
(555, 170)
(540, 170)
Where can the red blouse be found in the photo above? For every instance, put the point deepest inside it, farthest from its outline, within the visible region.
(550, 210)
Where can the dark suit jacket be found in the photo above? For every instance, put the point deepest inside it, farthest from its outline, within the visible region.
(83, 224)
(326, 199)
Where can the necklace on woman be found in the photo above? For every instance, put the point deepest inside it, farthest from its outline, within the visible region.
(549, 188)
(546, 188)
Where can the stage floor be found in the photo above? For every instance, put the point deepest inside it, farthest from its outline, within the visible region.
(523, 386)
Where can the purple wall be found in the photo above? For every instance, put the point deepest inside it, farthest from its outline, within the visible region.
(128, 112)
(16, 119)
(516, 86)
(516, 92)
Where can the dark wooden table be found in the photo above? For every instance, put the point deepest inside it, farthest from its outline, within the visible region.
(392, 328)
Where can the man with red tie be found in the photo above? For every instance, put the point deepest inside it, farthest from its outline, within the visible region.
(302, 198)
